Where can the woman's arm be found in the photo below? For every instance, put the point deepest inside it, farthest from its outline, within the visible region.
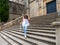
(28, 17)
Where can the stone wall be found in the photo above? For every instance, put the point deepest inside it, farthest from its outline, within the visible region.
(15, 10)
(13, 16)
(58, 6)
(34, 9)
(39, 8)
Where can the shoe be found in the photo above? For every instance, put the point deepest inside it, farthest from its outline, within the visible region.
(25, 36)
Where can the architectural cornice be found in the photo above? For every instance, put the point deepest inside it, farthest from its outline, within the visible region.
(16, 3)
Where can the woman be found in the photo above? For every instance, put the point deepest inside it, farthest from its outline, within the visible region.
(25, 24)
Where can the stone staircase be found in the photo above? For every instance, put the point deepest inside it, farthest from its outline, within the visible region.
(37, 33)
(44, 20)
(35, 36)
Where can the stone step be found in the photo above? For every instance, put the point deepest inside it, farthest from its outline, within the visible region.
(35, 36)
(42, 28)
(35, 27)
(3, 41)
(9, 40)
(40, 22)
(52, 15)
(53, 36)
(31, 40)
(36, 30)
(23, 41)
(13, 27)
(43, 20)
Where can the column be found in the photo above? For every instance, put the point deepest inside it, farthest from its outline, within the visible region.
(57, 26)
(41, 7)
(27, 8)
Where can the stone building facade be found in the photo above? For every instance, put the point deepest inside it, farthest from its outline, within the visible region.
(41, 7)
(16, 8)
(35, 7)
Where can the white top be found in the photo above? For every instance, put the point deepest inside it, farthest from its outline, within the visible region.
(25, 22)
